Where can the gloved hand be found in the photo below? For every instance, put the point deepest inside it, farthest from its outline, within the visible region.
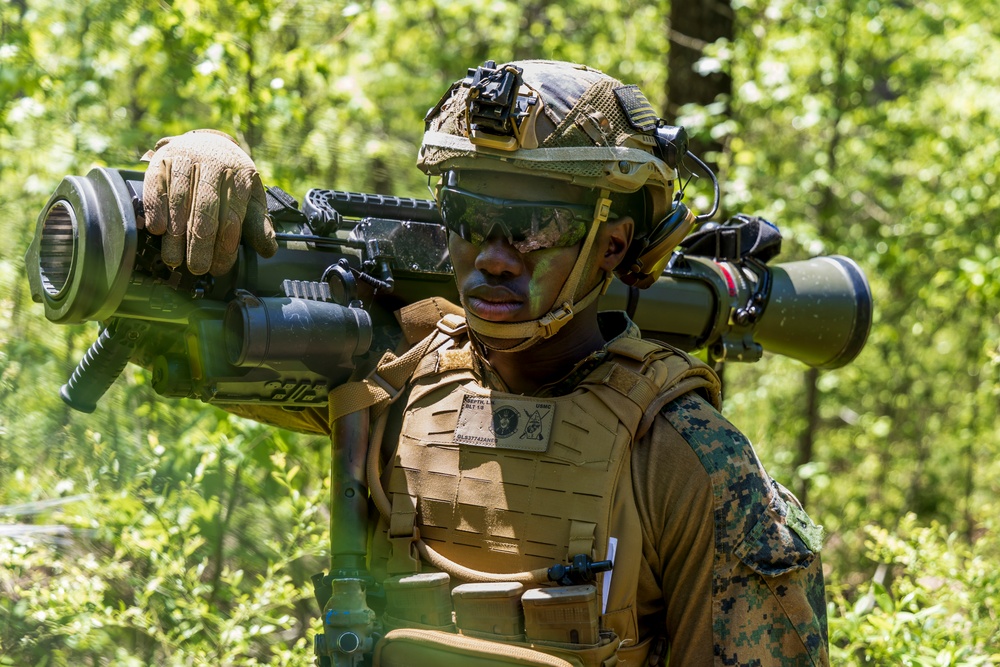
(201, 191)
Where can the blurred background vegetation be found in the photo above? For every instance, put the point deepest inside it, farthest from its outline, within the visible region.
(167, 532)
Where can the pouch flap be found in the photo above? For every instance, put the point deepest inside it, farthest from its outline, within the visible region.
(774, 545)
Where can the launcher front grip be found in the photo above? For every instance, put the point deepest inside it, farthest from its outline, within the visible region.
(102, 364)
(247, 337)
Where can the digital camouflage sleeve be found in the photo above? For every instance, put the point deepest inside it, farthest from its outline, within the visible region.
(732, 562)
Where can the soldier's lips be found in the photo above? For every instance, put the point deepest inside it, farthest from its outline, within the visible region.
(497, 304)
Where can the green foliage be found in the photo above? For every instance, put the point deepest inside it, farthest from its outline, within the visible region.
(867, 148)
(939, 606)
(862, 128)
(200, 555)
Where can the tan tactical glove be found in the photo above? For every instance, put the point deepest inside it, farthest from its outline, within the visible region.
(200, 192)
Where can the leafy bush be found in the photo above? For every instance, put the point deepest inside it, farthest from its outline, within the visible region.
(205, 565)
(934, 601)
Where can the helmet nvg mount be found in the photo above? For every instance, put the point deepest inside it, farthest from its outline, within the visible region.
(576, 124)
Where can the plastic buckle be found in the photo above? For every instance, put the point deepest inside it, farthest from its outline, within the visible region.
(385, 385)
(404, 557)
(556, 320)
(452, 325)
(602, 210)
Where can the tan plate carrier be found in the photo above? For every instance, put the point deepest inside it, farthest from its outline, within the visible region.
(491, 486)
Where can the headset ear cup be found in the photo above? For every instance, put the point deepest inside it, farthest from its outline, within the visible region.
(643, 264)
(669, 225)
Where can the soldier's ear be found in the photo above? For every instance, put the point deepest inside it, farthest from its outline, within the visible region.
(614, 238)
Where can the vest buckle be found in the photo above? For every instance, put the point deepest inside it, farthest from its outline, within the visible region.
(386, 386)
(452, 325)
(404, 557)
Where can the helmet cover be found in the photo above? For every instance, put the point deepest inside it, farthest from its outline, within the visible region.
(564, 121)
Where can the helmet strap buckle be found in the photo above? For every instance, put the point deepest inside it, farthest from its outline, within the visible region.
(555, 320)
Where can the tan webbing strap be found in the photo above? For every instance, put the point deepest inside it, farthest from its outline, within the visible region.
(581, 539)
(419, 319)
(403, 535)
(427, 366)
(385, 382)
(695, 379)
(380, 388)
(623, 390)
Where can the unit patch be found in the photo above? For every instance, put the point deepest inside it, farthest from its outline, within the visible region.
(507, 423)
(638, 109)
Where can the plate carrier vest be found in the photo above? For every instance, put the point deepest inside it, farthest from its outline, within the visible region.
(492, 486)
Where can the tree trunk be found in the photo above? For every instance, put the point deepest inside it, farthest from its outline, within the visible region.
(251, 137)
(974, 415)
(807, 438)
(529, 43)
(693, 26)
(381, 177)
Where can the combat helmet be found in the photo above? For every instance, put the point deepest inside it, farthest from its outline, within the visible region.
(576, 124)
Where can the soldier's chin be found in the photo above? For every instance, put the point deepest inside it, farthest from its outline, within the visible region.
(497, 344)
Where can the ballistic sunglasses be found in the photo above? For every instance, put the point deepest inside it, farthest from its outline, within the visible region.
(527, 225)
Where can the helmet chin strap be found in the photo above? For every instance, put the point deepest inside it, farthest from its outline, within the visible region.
(533, 331)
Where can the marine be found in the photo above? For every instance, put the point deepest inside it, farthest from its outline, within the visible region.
(528, 427)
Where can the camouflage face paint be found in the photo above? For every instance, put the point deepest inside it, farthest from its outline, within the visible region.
(498, 283)
(549, 273)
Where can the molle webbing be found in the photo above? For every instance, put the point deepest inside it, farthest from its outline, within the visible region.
(505, 510)
(669, 372)
(500, 508)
